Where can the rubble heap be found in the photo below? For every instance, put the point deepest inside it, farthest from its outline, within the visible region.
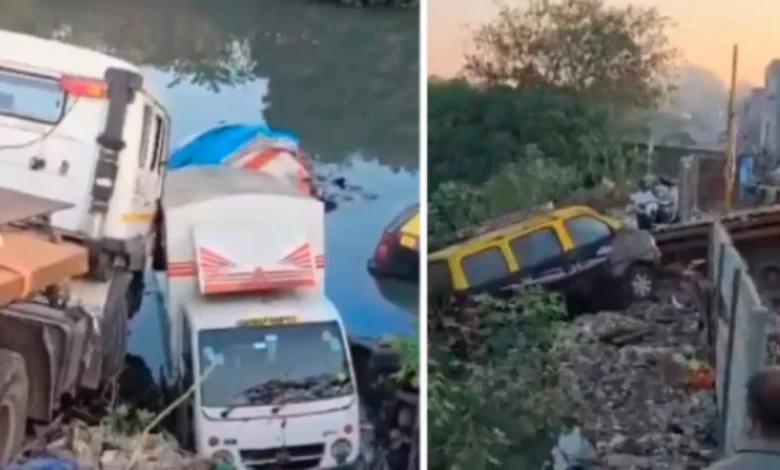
(78, 446)
(632, 380)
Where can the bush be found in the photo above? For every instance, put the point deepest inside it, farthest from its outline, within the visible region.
(494, 388)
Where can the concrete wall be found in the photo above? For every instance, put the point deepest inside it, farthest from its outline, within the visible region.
(741, 323)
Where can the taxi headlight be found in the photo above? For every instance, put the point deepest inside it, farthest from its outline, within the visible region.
(340, 450)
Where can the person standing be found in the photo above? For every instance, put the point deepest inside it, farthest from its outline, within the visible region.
(761, 451)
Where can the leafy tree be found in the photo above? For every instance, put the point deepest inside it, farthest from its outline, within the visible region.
(620, 55)
(473, 131)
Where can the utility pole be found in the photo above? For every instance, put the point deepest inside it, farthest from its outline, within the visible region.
(731, 158)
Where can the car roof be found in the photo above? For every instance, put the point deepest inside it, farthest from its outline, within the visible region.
(514, 229)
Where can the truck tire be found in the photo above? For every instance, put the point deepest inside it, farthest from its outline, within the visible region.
(14, 392)
(159, 251)
(116, 316)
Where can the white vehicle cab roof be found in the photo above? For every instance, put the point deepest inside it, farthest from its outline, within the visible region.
(232, 311)
(34, 54)
(211, 184)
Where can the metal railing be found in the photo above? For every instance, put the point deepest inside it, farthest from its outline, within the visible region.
(740, 323)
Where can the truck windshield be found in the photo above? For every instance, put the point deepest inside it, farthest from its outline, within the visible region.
(31, 97)
(274, 365)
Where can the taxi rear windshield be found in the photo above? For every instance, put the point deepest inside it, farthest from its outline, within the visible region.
(399, 221)
(31, 97)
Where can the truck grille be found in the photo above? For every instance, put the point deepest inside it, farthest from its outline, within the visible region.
(288, 458)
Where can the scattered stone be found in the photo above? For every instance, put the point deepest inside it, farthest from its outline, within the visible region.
(636, 402)
(98, 447)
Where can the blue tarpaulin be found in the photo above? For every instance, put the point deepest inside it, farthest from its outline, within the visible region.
(219, 143)
(44, 463)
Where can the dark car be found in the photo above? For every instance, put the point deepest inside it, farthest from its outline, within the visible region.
(397, 255)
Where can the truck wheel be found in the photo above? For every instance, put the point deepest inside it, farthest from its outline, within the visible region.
(135, 294)
(159, 254)
(14, 392)
(115, 322)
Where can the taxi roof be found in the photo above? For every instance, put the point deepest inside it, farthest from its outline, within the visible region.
(514, 229)
(227, 311)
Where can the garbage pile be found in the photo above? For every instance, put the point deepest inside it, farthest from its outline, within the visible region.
(77, 446)
(645, 401)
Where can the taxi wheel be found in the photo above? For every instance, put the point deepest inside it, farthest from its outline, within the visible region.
(640, 281)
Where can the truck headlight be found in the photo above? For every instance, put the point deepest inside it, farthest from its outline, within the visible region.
(340, 450)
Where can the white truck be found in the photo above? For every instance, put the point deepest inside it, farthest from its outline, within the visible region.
(83, 150)
(249, 325)
(90, 130)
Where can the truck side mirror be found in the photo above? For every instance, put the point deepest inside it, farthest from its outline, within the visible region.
(384, 361)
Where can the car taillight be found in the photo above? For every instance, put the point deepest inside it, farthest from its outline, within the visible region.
(86, 87)
(385, 247)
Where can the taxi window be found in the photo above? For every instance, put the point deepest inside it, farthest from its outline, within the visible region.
(586, 230)
(485, 266)
(536, 247)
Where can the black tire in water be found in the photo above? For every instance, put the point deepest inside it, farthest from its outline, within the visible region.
(14, 393)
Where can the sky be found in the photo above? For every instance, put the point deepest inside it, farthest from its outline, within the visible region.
(705, 32)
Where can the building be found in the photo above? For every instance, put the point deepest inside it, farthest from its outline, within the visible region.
(749, 121)
(770, 124)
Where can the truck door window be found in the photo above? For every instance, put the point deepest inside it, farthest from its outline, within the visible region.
(159, 126)
(588, 230)
(485, 266)
(31, 97)
(537, 248)
(144, 151)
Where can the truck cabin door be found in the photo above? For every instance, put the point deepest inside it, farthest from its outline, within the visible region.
(151, 156)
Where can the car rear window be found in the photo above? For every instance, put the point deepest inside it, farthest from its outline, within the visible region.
(485, 266)
(31, 97)
(396, 224)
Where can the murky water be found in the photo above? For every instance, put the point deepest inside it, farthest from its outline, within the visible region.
(345, 80)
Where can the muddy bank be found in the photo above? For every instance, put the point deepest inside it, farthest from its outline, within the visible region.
(131, 423)
(107, 446)
(644, 400)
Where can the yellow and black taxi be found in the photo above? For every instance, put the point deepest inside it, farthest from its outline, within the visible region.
(590, 258)
(397, 254)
